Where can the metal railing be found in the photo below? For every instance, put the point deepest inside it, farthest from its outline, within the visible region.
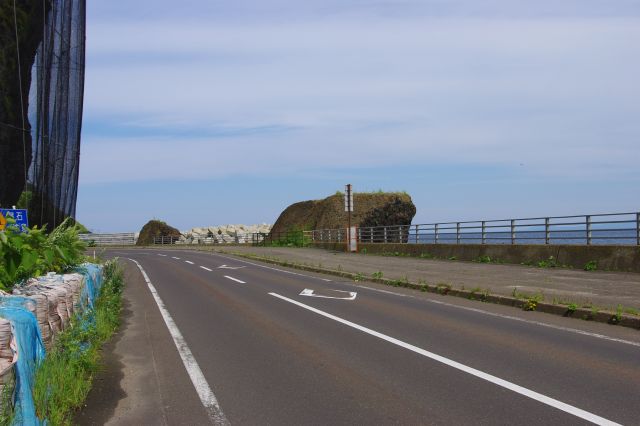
(608, 228)
(120, 239)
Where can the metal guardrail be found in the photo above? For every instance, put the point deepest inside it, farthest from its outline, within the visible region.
(121, 239)
(608, 228)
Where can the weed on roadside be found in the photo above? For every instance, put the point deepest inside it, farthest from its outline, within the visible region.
(6, 398)
(551, 262)
(591, 265)
(531, 302)
(443, 288)
(377, 275)
(478, 293)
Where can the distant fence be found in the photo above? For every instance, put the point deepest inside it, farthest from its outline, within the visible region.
(597, 229)
(255, 239)
(119, 239)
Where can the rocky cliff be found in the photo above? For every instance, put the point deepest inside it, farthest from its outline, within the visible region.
(370, 209)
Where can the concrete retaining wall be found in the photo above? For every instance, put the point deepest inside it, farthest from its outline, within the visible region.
(611, 258)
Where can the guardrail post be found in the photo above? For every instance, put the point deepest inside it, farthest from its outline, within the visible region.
(458, 233)
(547, 231)
(385, 234)
(638, 229)
(588, 221)
(417, 233)
(484, 232)
(436, 232)
(513, 231)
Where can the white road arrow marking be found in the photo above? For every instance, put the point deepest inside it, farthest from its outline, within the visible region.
(310, 293)
(230, 267)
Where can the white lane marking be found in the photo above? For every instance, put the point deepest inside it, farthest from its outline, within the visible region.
(231, 267)
(234, 279)
(176, 258)
(206, 269)
(458, 366)
(203, 389)
(509, 317)
(189, 262)
(267, 267)
(542, 324)
(310, 293)
(163, 255)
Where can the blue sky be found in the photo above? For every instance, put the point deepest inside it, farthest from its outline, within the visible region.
(212, 112)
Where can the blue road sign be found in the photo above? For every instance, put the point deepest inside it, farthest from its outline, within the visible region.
(20, 217)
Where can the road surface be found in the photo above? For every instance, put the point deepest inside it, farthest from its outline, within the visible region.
(230, 341)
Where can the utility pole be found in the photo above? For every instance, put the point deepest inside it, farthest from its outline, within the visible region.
(348, 207)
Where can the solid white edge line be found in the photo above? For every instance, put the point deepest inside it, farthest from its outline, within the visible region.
(593, 418)
(509, 317)
(234, 279)
(203, 389)
(189, 262)
(205, 268)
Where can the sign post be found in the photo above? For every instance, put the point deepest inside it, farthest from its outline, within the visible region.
(18, 215)
(352, 242)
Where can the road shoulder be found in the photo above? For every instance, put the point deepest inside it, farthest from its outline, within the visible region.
(143, 378)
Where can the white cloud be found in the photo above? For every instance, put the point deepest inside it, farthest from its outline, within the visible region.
(557, 94)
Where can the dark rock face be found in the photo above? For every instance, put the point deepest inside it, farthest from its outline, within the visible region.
(395, 212)
(156, 228)
(15, 139)
(376, 209)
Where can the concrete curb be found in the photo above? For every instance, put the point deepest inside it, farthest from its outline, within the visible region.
(603, 316)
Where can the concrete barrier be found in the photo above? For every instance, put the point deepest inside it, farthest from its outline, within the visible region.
(606, 258)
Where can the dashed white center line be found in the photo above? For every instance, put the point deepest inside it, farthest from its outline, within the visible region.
(206, 269)
(176, 258)
(189, 262)
(234, 279)
(163, 255)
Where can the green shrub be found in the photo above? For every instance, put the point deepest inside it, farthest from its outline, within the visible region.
(34, 253)
(591, 265)
(551, 262)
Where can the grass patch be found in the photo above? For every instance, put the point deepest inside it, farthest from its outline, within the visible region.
(6, 405)
(64, 378)
(591, 265)
(487, 259)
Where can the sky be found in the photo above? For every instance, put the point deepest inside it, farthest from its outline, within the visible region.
(205, 112)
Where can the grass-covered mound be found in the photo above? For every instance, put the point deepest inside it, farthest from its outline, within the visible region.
(156, 228)
(370, 209)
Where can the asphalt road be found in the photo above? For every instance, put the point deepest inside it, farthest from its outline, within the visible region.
(262, 345)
